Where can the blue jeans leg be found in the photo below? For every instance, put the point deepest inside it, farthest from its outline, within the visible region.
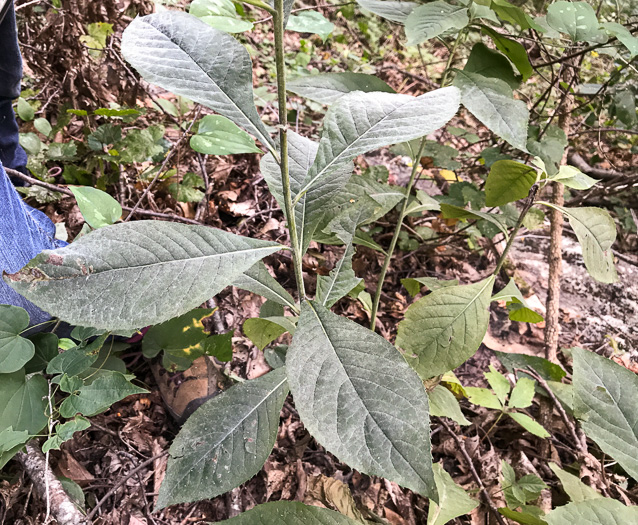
(11, 153)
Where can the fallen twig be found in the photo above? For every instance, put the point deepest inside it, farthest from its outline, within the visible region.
(486, 496)
(122, 481)
(49, 486)
(65, 191)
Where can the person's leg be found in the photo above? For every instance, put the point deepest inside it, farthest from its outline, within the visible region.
(11, 153)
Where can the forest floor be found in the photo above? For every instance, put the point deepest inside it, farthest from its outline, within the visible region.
(100, 459)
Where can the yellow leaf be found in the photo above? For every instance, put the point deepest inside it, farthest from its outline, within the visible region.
(449, 175)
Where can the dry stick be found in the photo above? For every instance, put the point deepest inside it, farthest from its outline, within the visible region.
(65, 191)
(35, 465)
(122, 481)
(163, 166)
(486, 496)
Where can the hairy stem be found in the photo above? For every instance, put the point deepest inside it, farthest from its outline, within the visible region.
(395, 237)
(529, 202)
(415, 166)
(278, 19)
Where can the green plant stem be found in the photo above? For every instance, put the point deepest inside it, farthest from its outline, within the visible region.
(415, 166)
(529, 202)
(278, 21)
(395, 237)
(262, 5)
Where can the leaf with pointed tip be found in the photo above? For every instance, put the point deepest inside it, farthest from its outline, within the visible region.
(574, 178)
(508, 181)
(97, 396)
(312, 206)
(490, 63)
(490, 100)
(433, 19)
(444, 329)
(225, 442)
(326, 88)
(290, 513)
(137, 273)
(444, 404)
(593, 512)
(608, 414)
(342, 278)
(257, 279)
(624, 35)
(519, 309)
(393, 11)
(361, 122)
(573, 486)
(23, 402)
(515, 51)
(596, 232)
(453, 500)
(184, 55)
(374, 421)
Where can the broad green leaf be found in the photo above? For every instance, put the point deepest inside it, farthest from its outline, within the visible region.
(11, 441)
(490, 101)
(220, 346)
(524, 518)
(577, 19)
(513, 50)
(185, 333)
(574, 487)
(522, 394)
(508, 181)
(596, 232)
(450, 211)
(593, 512)
(23, 404)
(25, 110)
(374, 421)
(326, 88)
(46, 348)
(311, 207)
(257, 279)
(445, 328)
(413, 284)
(546, 369)
(453, 500)
(97, 207)
(217, 135)
(134, 274)
(225, 442)
(499, 383)
(490, 63)
(606, 408)
(64, 432)
(622, 34)
(483, 397)
(393, 11)
(290, 513)
(518, 308)
(529, 424)
(574, 178)
(184, 55)
(91, 399)
(444, 404)
(310, 22)
(44, 126)
(15, 351)
(422, 202)
(433, 19)
(362, 122)
(513, 14)
(187, 189)
(342, 278)
(76, 360)
(262, 332)
(220, 14)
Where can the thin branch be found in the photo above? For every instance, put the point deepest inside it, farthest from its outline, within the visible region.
(486, 496)
(65, 191)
